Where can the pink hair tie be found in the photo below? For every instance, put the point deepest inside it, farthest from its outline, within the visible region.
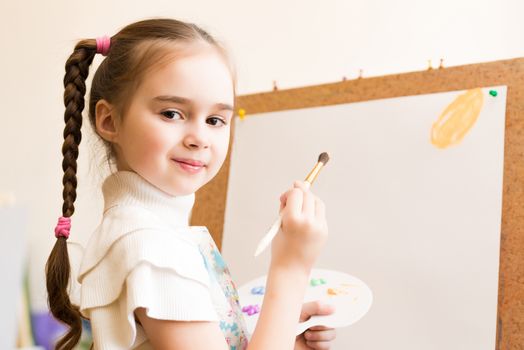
(63, 227)
(102, 45)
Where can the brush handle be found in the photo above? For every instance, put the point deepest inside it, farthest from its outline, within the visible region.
(268, 237)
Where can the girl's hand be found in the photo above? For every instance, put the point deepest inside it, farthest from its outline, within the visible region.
(304, 229)
(318, 337)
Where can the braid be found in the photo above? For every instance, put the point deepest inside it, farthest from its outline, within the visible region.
(77, 69)
(58, 268)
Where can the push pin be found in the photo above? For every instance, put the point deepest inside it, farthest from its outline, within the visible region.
(275, 87)
(344, 78)
(430, 67)
(493, 93)
(360, 73)
(441, 65)
(241, 113)
(258, 290)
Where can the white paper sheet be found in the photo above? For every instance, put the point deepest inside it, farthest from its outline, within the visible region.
(419, 224)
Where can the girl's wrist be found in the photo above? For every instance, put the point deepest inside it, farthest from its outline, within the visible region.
(293, 272)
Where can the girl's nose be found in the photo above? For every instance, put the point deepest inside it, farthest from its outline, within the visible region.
(196, 136)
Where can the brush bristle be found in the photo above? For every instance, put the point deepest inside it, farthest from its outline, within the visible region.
(323, 157)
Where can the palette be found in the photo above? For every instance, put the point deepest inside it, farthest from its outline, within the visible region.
(351, 297)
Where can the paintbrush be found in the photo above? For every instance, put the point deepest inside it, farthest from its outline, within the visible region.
(323, 158)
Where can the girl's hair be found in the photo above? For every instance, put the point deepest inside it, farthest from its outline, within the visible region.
(136, 49)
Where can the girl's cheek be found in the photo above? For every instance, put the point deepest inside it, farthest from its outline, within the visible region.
(157, 139)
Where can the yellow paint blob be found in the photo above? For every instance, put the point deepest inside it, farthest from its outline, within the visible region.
(457, 119)
(332, 291)
(342, 290)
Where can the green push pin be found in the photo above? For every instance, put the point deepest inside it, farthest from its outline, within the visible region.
(322, 281)
(493, 93)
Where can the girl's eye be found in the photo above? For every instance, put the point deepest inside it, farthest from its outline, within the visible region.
(214, 120)
(172, 114)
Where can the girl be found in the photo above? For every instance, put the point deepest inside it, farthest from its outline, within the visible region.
(162, 102)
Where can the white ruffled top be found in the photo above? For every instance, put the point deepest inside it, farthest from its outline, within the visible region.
(144, 254)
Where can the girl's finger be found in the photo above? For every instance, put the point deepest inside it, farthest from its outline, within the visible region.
(283, 196)
(319, 345)
(303, 185)
(319, 328)
(308, 205)
(294, 200)
(320, 336)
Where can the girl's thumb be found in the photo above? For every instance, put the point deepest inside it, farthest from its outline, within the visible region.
(315, 308)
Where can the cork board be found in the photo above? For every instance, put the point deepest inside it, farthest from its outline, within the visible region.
(210, 203)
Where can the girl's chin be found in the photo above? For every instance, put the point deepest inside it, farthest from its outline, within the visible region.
(186, 190)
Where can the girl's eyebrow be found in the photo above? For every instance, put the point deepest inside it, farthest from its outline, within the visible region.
(183, 100)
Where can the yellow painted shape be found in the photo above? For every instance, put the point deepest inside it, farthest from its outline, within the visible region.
(457, 119)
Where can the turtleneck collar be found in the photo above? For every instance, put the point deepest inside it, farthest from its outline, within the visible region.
(129, 188)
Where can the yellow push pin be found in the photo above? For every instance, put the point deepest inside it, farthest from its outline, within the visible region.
(241, 113)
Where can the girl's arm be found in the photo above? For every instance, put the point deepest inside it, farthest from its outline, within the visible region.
(293, 253)
(181, 335)
(280, 313)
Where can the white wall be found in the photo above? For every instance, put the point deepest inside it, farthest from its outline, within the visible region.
(296, 43)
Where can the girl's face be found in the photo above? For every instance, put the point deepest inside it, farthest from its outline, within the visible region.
(175, 133)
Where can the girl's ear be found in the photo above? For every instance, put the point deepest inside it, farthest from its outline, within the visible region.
(106, 123)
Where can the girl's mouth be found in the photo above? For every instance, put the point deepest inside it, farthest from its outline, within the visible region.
(191, 167)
